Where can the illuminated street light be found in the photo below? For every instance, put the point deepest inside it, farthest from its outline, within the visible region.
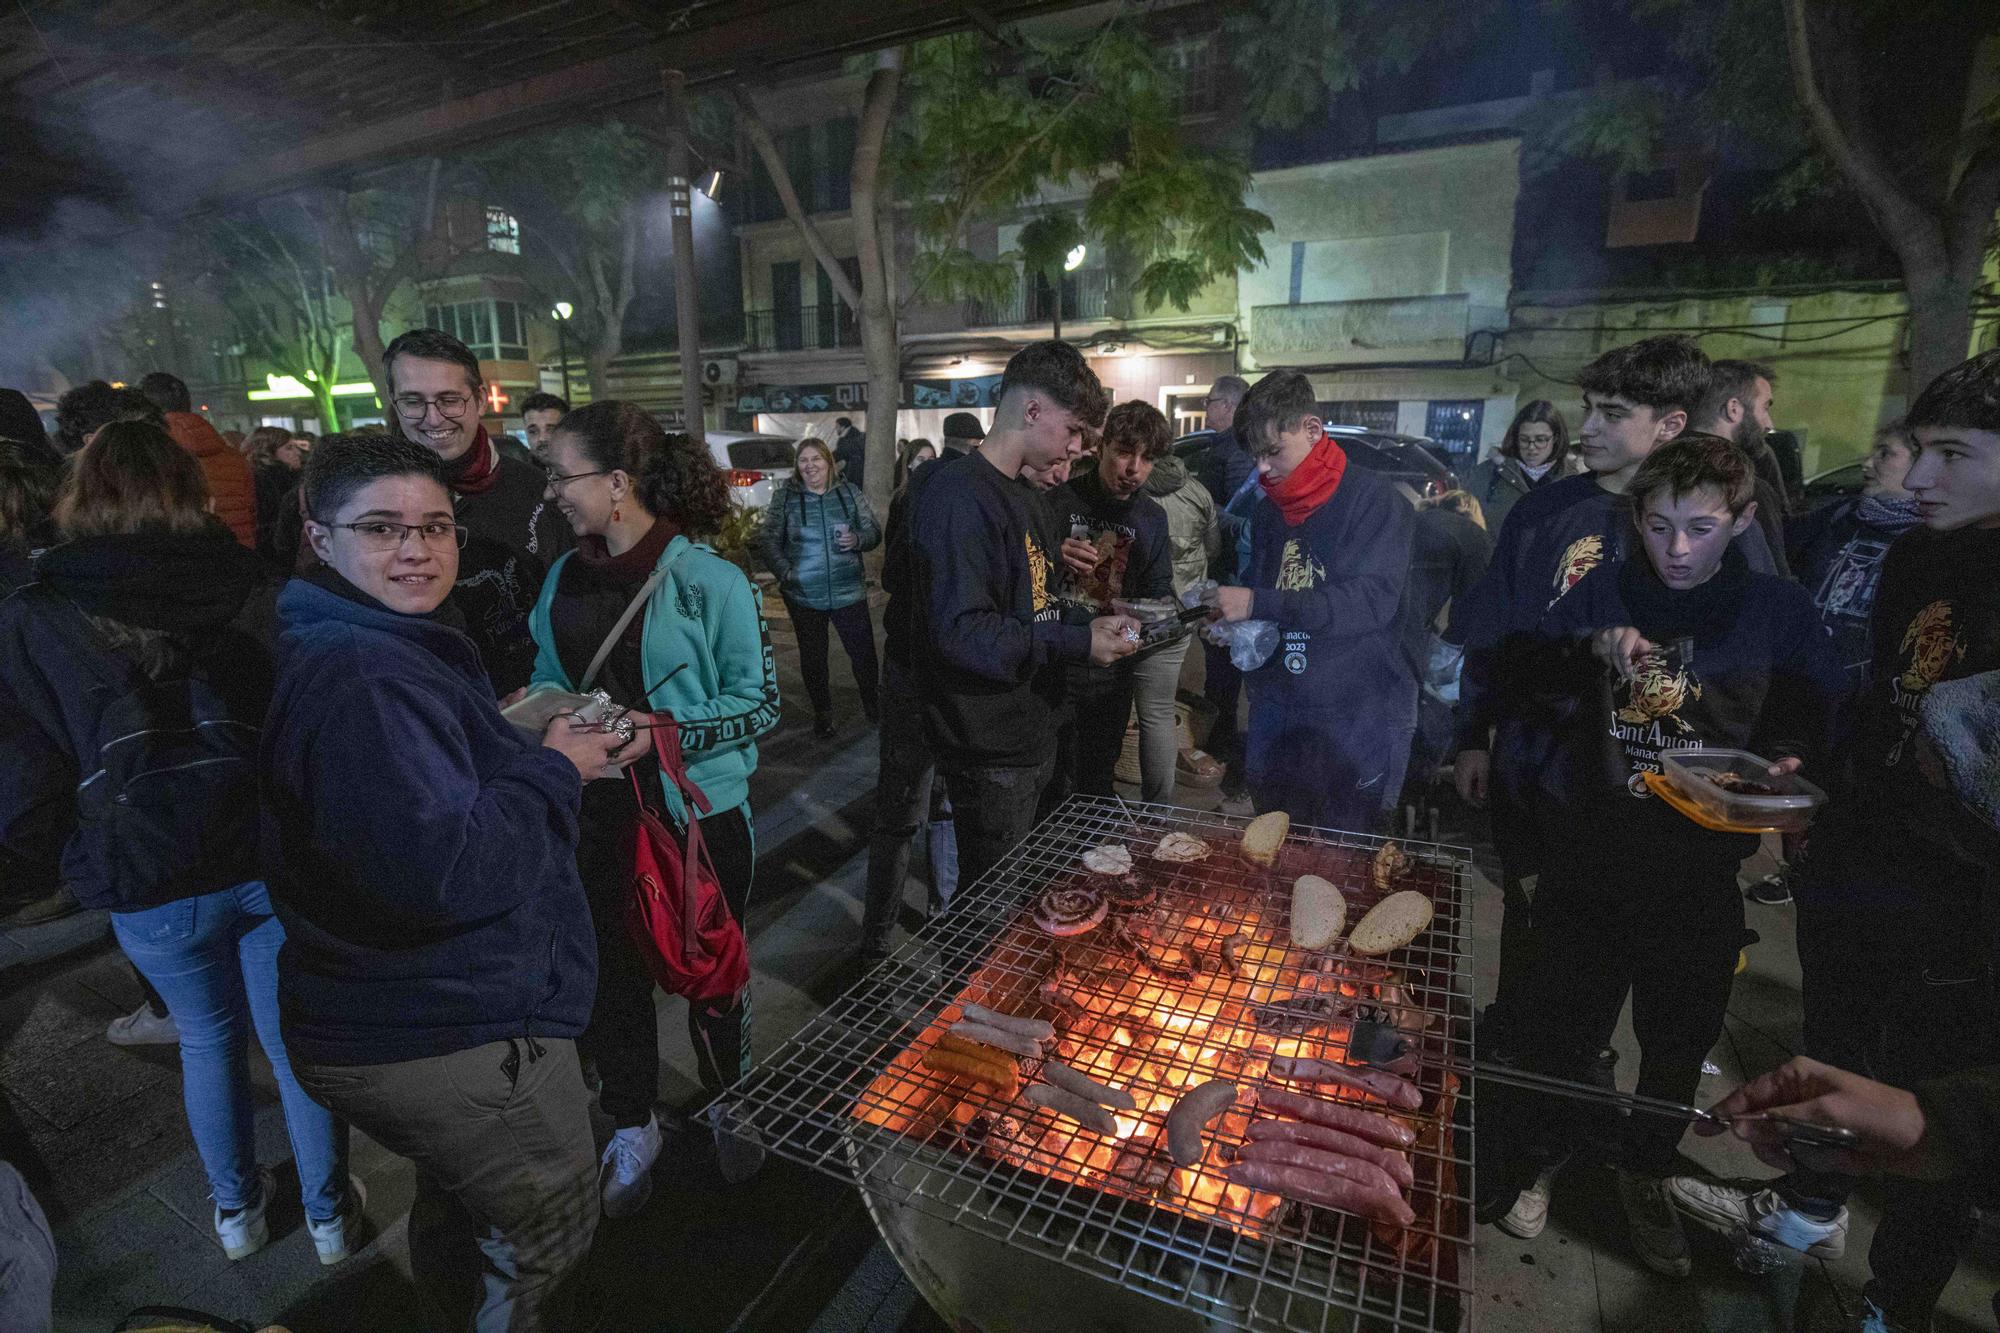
(1074, 259)
(714, 186)
(562, 310)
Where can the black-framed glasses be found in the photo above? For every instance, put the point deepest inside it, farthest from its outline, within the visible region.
(450, 406)
(558, 480)
(379, 534)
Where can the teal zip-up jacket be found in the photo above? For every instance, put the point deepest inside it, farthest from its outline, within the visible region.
(796, 542)
(705, 614)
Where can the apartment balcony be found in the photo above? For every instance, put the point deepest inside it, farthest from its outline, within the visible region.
(1033, 301)
(801, 328)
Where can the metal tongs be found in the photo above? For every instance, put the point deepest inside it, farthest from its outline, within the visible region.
(1379, 1043)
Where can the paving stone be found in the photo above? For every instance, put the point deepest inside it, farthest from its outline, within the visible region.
(139, 1253)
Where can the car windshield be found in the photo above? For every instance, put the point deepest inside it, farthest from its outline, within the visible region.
(762, 454)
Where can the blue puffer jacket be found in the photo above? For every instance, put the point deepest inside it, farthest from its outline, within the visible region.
(796, 543)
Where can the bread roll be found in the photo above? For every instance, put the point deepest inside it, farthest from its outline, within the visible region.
(1264, 836)
(1392, 923)
(1319, 913)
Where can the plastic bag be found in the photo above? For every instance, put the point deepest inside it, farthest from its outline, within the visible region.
(1250, 642)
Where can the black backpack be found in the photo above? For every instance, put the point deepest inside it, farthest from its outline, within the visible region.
(166, 802)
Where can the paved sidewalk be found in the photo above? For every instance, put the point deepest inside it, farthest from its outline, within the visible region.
(100, 1133)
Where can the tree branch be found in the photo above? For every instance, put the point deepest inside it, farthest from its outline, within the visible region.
(760, 138)
(1904, 222)
(1970, 208)
(878, 105)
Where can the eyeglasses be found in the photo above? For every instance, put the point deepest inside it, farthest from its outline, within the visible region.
(379, 534)
(558, 480)
(450, 406)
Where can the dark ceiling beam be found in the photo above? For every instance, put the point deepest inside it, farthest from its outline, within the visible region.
(738, 44)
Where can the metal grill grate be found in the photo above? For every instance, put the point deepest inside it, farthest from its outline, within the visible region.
(848, 1095)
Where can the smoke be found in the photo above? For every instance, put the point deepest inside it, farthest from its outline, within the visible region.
(75, 275)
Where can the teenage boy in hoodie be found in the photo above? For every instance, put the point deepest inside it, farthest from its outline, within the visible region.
(1333, 710)
(1635, 399)
(987, 636)
(1897, 886)
(1115, 547)
(514, 532)
(439, 960)
(1681, 646)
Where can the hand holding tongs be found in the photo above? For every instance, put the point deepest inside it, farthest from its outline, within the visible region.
(1370, 1042)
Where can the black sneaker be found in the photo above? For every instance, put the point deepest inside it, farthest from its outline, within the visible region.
(1772, 891)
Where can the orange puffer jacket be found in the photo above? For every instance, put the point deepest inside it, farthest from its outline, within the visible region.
(227, 473)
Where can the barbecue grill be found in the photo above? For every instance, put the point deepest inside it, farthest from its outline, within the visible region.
(1008, 1216)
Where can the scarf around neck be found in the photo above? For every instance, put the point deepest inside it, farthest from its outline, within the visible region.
(1310, 484)
(474, 471)
(1891, 513)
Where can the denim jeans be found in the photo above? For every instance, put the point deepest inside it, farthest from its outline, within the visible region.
(27, 1258)
(994, 808)
(906, 774)
(214, 960)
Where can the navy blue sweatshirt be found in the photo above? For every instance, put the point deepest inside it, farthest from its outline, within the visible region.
(1762, 677)
(421, 853)
(1937, 618)
(1553, 536)
(986, 632)
(1139, 561)
(1339, 688)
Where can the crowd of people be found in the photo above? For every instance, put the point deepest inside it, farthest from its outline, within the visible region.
(261, 701)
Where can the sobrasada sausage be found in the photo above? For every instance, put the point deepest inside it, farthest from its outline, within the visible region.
(1392, 1160)
(1398, 1092)
(1370, 1125)
(1296, 1182)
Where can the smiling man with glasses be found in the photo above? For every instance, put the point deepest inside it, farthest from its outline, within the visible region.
(512, 533)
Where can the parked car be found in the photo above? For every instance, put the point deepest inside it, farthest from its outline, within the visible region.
(1835, 484)
(1400, 458)
(753, 465)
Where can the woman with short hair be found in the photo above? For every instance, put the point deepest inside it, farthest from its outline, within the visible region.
(422, 854)
(814, 532)
(145, 651)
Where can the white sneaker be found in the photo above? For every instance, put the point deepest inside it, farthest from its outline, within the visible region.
(1530, 1212)
(739, 1149)
(1733, 1209)
(625, 1178)
(1656, 1228)
(247, 1231)
(339, 1236)
(143, 1027)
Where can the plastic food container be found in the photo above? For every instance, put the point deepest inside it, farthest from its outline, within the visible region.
(1782, 801)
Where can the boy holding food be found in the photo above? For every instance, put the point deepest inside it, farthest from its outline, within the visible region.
(1897, 887)
(1680, 646)
(1333, 710)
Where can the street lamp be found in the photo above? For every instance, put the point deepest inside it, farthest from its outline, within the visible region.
(1074, 259)
(562, 311)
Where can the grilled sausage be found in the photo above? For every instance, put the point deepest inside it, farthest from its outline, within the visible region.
(1036, 1029)
(1004, 1078)
(1398, 1092)
(1392, 1160)
(1191, 1115)
(1080, 1109)
(1070, 1080)
(1370, 1125)
(1027, 1047)
(1297, 1182)
(978, 1050)
(1318, 1159)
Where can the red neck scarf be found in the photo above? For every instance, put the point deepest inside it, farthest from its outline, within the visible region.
(474, 471)
(1310, 485)
(636, 565)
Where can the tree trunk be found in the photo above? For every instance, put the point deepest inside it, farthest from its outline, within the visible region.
(329, 410)
(597, 360)
(880, 343)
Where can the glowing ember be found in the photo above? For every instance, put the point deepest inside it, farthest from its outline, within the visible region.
(1149, 1003)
